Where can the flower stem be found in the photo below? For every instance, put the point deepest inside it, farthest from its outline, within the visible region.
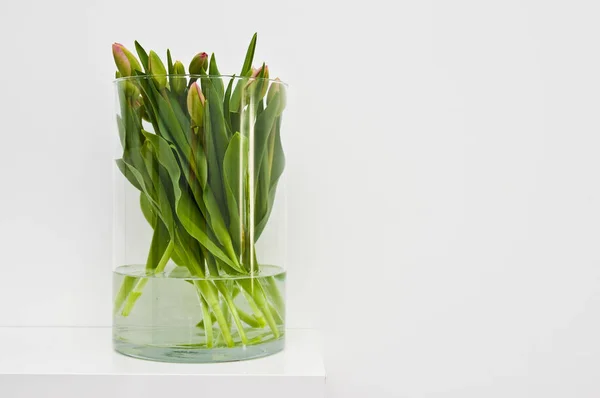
(210, 294)
(232, 310)
(135, 294)
(272, 291)
(250, 320)
(126, 288)
(206, 318)
(260, 319)
(256, 291)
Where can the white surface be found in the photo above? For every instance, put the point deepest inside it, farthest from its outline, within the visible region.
(443, 178)
(66, 362)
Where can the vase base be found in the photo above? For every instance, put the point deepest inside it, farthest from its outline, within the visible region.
(198, 355)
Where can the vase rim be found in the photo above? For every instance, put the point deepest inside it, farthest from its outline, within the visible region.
(194, 76)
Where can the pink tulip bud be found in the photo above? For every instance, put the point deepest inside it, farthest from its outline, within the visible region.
(124, 59)
(195, 104)
(262, 85)
(199, 64)
(121, 59)
(256, 72)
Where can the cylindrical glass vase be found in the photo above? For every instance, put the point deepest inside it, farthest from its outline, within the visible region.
(199, 236)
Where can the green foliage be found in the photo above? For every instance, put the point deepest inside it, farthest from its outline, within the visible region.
(194, 177)
(207, 184)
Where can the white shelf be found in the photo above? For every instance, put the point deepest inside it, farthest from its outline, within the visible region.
(79, 362)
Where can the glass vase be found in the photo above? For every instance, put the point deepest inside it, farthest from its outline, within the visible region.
(199, 222)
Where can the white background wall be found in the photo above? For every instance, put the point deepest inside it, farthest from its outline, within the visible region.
(443, 178)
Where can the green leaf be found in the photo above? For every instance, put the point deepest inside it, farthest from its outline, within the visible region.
(170, 124)
(236, 98)
(213, 194)
(260, 107)
(218, 224)
(277, 156)
(163, 198)
(266, 137)
(249, 56)
(226, 100)
(182, 117)
(235, 167)
(160, 240)
(122, 131)
(215, 146)
(147, 209)
(190, 219)
(186, 209)
(136, 167)
(169, 62)
(149, 101)
(213, 70)
(128, 174)
(276, 165)
(142, 54)
(227, 97)
(145, 189)
(262, 128)
(261, 202)
(217, 123)
(260, 226)
(130, 122)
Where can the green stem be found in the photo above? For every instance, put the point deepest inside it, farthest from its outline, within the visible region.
(225, 292)
(135, 294)
(211, 295)
(126, 288)
(207, 319)
(278, 318)
(257, 293)
(250, 320)
(225, 311)
(232, 310)
(257, 313)
(272, 291)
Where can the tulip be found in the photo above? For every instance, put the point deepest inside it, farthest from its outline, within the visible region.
(131, 90)
(256, 72)
(126, 62)
(195, 104)
(199, 64)
(157, 70)
(178, 83)
(140, 109)
(277, 87)
(262, 84)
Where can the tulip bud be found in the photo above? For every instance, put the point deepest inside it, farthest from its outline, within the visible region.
(157, 70)
(131, 90)
(126, 62)
(140, 109)
(259, 81)
(195, 104)
(277, 87)
(199, 64)
(256, 72)
(178, 83)
(121, 60)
